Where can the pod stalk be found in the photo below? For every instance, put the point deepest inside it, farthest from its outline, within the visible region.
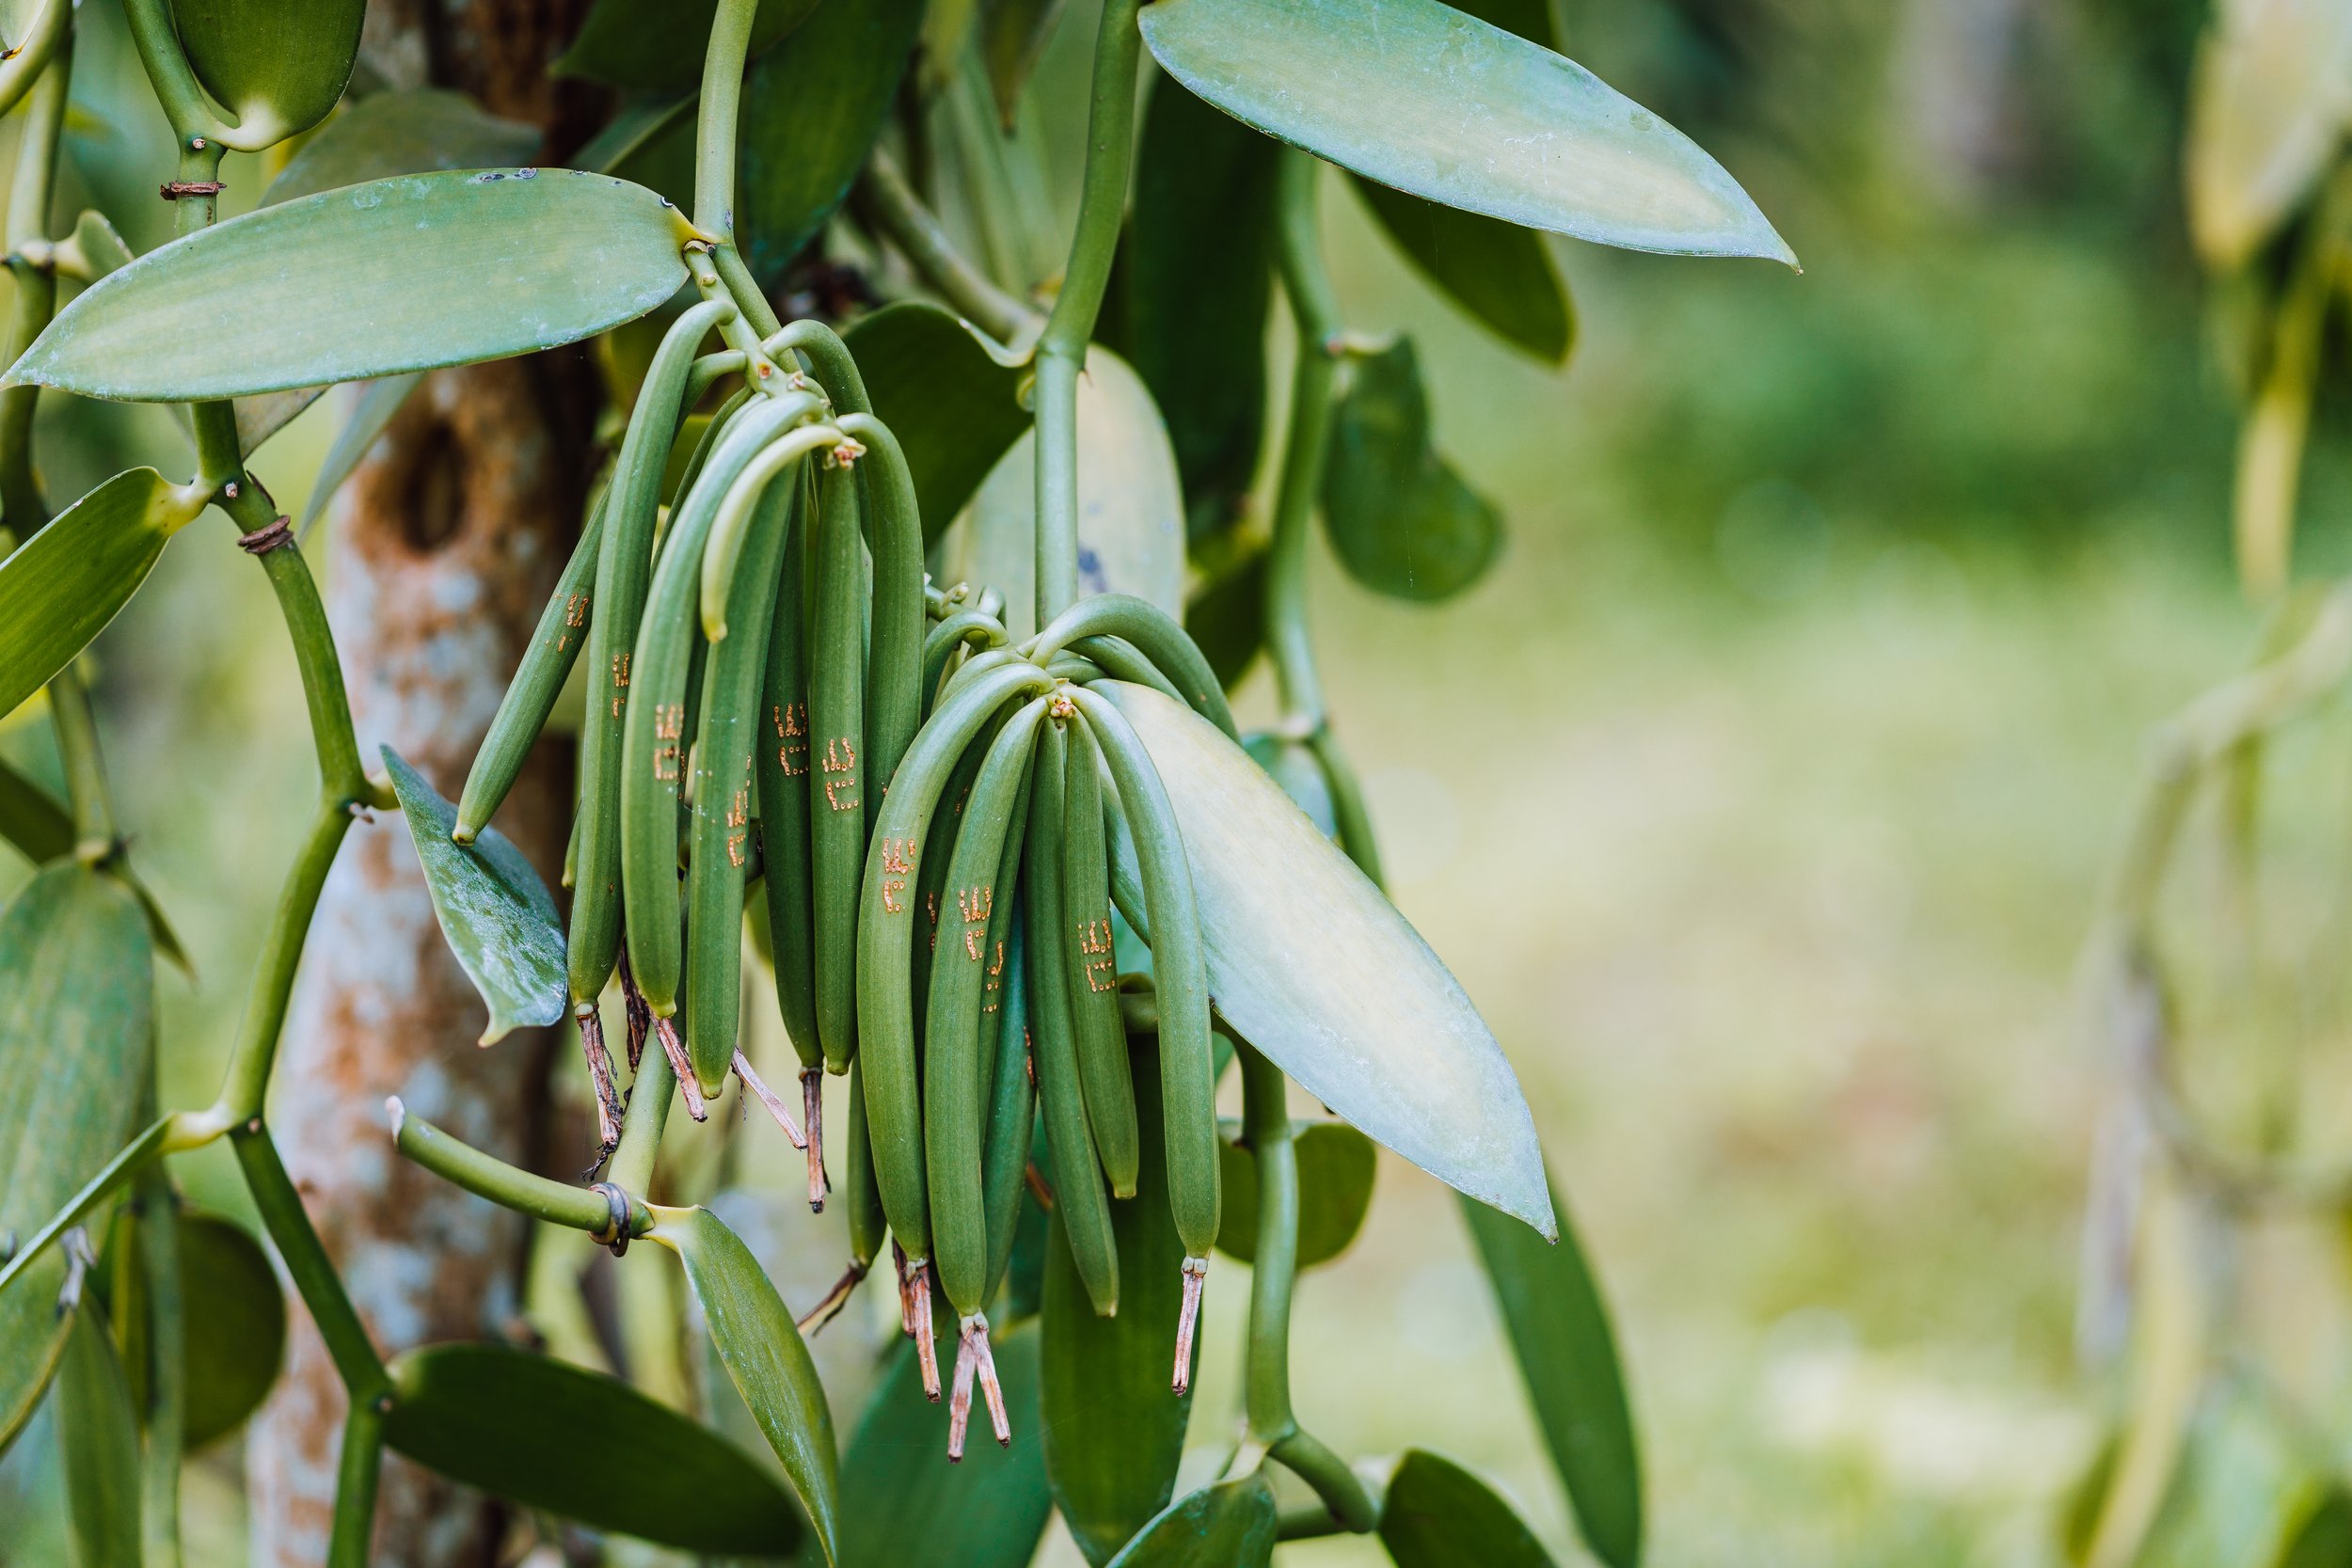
(600, 1074)
(769, 1097)
(675, 1048)
(973, 1357)
(915, 1314)
(1188, 1320)
(813, 1111)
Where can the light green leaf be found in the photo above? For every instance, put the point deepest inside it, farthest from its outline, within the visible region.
(1438, 1514)
(1401, 520)
(367, 280)
(1336, 1165)
(235, 1324)
(1230, 1524)
(951, 395)
(1310, 964)
(277, 65)
(498, 917)
(658, 45)
(378, 403)
(1013, 36)
(32, 819)
(76, 1018)
(96, 250)
(2248, 1479)
(1567, 1356)
(901, 1501)
(1500, 273)
(766, 1359)
(2268, 108)
(1416, 95)
(550, 1435)
(97, 1434)
(63, 585)
(403, 132)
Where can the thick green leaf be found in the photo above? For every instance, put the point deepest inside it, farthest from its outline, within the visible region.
(76, 1015)
(1312, 965)
(951, 396)
(378, 403)
(1131, 509)
(32, 819)
(1230, 1524)
(1401, 520)
(1437, 1515)
(498, 917)
(901, 1501)
(2266, 111)
(1416, 95)
(812, 107)
(1197, 276)
(235, 1324)
(403, 132)
(1336, 1165)
(549, 1434)
(1500, 273)
(1013, 36)
(277, 65)
(97, 1434)
(658, 45)
(1568, 1358)
(1114, 1427)
(63, 585)
(366, 280)
(766, 1359)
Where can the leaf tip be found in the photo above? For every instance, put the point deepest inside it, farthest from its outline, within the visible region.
(396, 1112)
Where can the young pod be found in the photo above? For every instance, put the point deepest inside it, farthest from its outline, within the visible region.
(1153, 633)
(1092, 966)
(1012, 1095)
(783, 779)
(894, 656)
(836, 708)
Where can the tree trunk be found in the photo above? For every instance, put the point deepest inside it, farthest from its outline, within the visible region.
(444, 545)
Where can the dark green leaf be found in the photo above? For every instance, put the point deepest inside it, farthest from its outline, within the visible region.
(1568, 1356)
(76, 1016)
(498, 917)
(235, 1324)
(1335, 1169)
(650, 143)
(97, 1434)
(1230, 1524)
(812, 107)
(951, 396)
(549, 1434)
(1113, 1429)
(403, 132)
(32, 819)
(368, 280)
(1414, 94)
(2323, 1539)
(1401, 520)
(901, 1501)
(63, 585)
(766, 1359)
(1437, 1515)
(1500, 273)
(1227, 617)
(1293, 764)
(1013, 36)
(277, 65)
(378, 402)
(658, 45)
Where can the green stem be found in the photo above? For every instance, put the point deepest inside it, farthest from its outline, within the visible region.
(356, 1475)
(23, 511)
(1306, 1457)
(166, 1416)
(52, 30)
(714, 123)
(744, 290)
(170, 76)
(889, 204)
(245, 1086)
(487, 1176)
(1316, 313)
(313, 1275)
(1061, 351)
(648, 1111)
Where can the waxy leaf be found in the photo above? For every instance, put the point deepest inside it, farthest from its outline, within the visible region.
(277, 65)
(367, 280)
(1013, 36)
(1113, 1429)
(658, 45)
(32, 819)
(2272, 94)
(403, 132)
(1416, 95)
(766, 1359)
(901, 1501)
(62, 586)
(1567, 1356)
(549, 1434)
(234, 1318)
(951, 396)
(76, 1015)
(498, 917)
(1308, 962)
(97, 1434)
(378, 402)
(1230, 1524)
(99, 247)
(1500, 273)
(1402, 521)
(1438, 1514)
(1336, 1165)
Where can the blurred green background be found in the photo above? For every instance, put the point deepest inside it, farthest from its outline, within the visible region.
(1761, 795)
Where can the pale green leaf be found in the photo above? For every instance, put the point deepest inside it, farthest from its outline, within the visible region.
(1013, 36)
(2268, 109)
(403, 132)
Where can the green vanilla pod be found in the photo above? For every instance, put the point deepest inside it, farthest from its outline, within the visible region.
(1012, 1095)
(894, 656)
(1148, 629)
(1122, 661)
(961, 628)
(782, 775)
(1092, 966)
(827, 358)
(939, 846)
(836, 806)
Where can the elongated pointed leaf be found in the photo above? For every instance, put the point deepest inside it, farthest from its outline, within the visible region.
(63, 585)
(1567, 1356)
(766, 1359)
(369, 416)
(658, 45)
(1401, 520)
(1500, 273)
(277, 65)
(1113, 1429)
(367, 280)
(1416, 95)
(1336, 1165)
(902, 1502)
(2272, 94)
(76, 1015)
(1230, 1524)
(1438, 1514)
(549, 1434)
(1013, 36)
(97, 1432)
(403, 132)
(235, 1317)
(951, 396)
(1310, 964)
(498, 917)
(32, 819)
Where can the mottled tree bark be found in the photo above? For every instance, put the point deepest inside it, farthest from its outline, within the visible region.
(443, 546)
